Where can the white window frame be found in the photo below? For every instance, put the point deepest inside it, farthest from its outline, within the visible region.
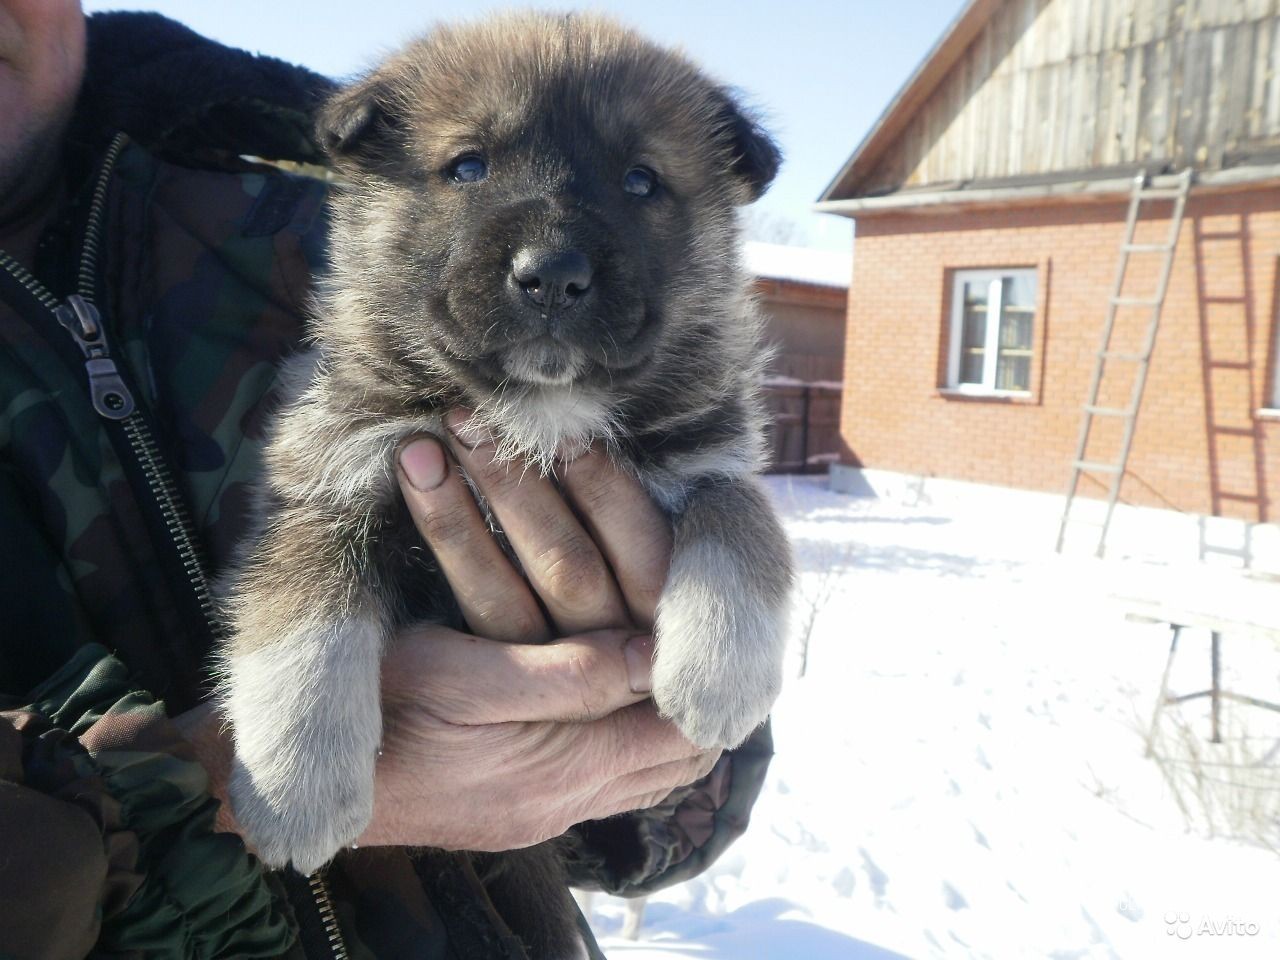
(1273, 408)
(995, 292)
(1270, 409)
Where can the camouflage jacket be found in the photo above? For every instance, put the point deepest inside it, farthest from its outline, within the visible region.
(124, 482)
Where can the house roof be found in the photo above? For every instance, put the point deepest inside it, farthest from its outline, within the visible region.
(922, 82)
(1109, 118)
(773, 261)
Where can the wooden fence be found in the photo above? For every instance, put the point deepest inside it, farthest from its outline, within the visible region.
(805, 428)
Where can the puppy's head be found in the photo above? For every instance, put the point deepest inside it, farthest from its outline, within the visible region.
(537, 203)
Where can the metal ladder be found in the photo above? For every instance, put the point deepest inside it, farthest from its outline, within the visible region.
(1142, 358)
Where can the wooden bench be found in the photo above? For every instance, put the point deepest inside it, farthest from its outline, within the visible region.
(1223, 603)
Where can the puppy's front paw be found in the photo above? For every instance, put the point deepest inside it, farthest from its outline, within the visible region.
(308, 821)
(307, 730)
(718, 665)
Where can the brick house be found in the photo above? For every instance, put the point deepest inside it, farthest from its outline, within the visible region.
(996, 184)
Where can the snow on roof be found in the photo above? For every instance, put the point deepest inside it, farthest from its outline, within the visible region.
(772, 261)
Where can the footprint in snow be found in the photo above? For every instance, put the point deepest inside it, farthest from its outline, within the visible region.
(955, 899)
(879, 879)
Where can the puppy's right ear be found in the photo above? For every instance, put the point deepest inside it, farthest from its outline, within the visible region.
(359, 125)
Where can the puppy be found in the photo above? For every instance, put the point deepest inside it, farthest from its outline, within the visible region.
(537, 220)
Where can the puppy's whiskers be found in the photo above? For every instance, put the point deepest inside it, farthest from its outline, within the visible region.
(614, 340)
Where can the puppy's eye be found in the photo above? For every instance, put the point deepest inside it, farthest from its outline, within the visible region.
(468, 169)
(640, 182)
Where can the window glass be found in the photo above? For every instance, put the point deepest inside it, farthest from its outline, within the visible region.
(974, 331)
(1017, 313)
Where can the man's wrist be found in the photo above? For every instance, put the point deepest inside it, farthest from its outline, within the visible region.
(206, 730)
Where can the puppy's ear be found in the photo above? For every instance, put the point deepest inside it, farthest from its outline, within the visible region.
(358, 124)
(756, 157)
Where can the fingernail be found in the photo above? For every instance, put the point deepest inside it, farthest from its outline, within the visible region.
(469, 431)
(423, 464)
(639, 654)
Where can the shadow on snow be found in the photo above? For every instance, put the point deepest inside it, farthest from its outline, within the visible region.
(756, 930)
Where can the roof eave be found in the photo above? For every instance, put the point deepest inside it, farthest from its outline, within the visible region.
(1098, 190)
(922, 82)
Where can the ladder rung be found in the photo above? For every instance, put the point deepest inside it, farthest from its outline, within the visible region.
(1082, 522)
(1108, 411)
(1230, 551)
(1160, 193)
(1097, 467)
(1146, 247)
(1239, 497)
(1229, 364)
(1134, 302)
(1134, 357)
(1231, 431)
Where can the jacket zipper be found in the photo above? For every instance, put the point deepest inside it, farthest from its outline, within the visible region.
(328, 918)
(112, 400)
(107, 390)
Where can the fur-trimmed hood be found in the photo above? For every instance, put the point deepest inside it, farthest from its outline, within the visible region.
(185, 96)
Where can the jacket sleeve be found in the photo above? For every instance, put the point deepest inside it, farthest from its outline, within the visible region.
(106, 828)
(640, 852)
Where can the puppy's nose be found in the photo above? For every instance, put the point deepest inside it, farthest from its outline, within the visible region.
(552, 279)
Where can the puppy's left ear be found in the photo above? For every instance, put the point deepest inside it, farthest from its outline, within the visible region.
(756, 157)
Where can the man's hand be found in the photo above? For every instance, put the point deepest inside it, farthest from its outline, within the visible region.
(598, 560)
(526, 741)
(493, 746)
(491, 743)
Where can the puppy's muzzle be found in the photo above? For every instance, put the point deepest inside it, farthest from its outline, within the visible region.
(550, 281)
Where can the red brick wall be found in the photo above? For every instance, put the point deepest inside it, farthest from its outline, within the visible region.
(1199, 446)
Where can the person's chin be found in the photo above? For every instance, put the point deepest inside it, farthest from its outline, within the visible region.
(29, 147)
(15, 107)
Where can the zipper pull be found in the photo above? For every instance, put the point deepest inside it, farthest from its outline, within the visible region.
(111, 398)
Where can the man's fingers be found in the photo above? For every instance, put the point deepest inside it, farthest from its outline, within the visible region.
(563, 564)
(494, 598)
(468, 681)
(641, 739)
(633, 534)
(597, 682)
(647, 788)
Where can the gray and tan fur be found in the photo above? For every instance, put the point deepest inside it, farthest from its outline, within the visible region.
(650, 350)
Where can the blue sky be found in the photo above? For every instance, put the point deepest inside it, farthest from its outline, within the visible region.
(821, 70)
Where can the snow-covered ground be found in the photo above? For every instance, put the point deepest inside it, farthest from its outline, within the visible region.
(961, 771)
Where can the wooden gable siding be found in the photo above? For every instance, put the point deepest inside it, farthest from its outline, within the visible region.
(1058, 86)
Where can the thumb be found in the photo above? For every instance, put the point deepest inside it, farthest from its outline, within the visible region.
(468, 680)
